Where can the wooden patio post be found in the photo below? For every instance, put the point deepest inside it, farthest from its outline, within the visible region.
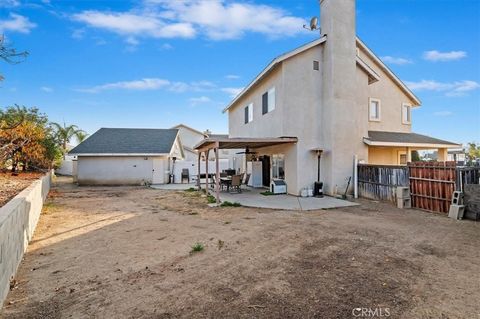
(198, 170)
(206, 172)
(217, 175)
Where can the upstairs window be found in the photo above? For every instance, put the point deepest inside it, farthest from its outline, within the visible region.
(406, 113)
(374, 110)
(268, 101)
(249, 113)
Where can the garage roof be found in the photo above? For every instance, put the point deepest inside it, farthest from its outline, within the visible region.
(127, 141)
(381, 138)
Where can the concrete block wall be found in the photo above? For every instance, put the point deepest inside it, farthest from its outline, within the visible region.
(18, 219)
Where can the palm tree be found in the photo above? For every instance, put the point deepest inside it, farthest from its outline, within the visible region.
(81, 136)
(65, 133)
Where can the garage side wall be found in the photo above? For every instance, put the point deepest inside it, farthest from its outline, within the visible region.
(115, 170)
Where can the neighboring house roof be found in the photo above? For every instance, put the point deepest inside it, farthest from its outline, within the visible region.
(372, 76)
(188, 128)
(128, 141)
(218, 136)
(381, 138)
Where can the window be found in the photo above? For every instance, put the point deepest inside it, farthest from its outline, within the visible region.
(249, 113)
(374, 109)
(278, 166)
(268, 101)
(316, 65)
(406, 113)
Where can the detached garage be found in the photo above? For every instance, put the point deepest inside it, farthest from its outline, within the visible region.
(123, 156)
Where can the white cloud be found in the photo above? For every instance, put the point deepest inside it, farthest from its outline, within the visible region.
(199, 100)
(436, 56)
(166, 46)
(232, 77)
(135, 24)
(394, 60)
(17, 23)
(151, 84)
(233, 92)
(137, 85)
(216, 19)
(46, 89)
(78, 34)
(458, 88)
(443, 113)
(9, 3)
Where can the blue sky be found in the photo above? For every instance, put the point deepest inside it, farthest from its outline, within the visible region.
(156, 63)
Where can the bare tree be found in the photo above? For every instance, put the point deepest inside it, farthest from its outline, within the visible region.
(9, 54)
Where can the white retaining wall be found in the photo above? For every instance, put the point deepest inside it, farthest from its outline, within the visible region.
(18, 219)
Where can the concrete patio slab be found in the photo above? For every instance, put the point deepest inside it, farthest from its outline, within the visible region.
(253, 198)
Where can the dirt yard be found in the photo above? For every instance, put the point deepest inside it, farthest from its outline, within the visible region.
(11, 185)
(125, 252)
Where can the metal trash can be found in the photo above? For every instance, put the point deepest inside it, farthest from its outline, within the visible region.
(318, 189)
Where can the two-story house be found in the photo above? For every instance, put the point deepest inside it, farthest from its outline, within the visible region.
(333, 94)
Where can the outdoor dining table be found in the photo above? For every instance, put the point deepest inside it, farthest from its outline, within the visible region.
(226, 181)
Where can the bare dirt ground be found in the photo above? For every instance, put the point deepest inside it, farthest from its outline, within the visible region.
(124, 252)
(11, 185)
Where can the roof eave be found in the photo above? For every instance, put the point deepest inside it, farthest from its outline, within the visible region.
(405, 144)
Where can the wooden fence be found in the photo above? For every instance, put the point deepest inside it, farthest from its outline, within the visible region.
(379, 182)
(432, 185)
(467, 175)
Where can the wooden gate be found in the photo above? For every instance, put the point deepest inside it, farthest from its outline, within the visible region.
(432, 185)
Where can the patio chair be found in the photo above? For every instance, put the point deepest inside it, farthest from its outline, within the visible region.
(247, 179)
(236, 183)
(185, 175)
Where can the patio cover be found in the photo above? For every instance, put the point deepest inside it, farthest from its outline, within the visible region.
(381, 138)
(242, 142)
(222, 142)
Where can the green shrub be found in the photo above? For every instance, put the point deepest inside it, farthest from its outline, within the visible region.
(230, 204)
(191, 190)
(211, 199)
(197, 247)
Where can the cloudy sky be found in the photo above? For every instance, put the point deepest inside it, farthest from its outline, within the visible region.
(156, 63)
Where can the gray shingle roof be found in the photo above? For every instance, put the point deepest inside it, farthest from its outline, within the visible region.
(397, 137)
(128, 141)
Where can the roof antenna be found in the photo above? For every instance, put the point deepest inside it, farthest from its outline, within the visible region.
(313, 25)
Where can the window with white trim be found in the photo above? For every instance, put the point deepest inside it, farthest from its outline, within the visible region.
(248, 111)
(374, 109)
(268, 101)
(406, 113)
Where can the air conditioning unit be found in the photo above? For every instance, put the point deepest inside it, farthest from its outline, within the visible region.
(278, 186)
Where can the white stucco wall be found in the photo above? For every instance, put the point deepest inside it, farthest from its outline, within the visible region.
(116, 170)
(18, 220)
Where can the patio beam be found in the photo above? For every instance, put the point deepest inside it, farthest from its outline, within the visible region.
(217, 174)
(206, 172)
(198, 171)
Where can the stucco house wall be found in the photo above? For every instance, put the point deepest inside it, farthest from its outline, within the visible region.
(116, 170)
(268, 125)
(391, 99)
